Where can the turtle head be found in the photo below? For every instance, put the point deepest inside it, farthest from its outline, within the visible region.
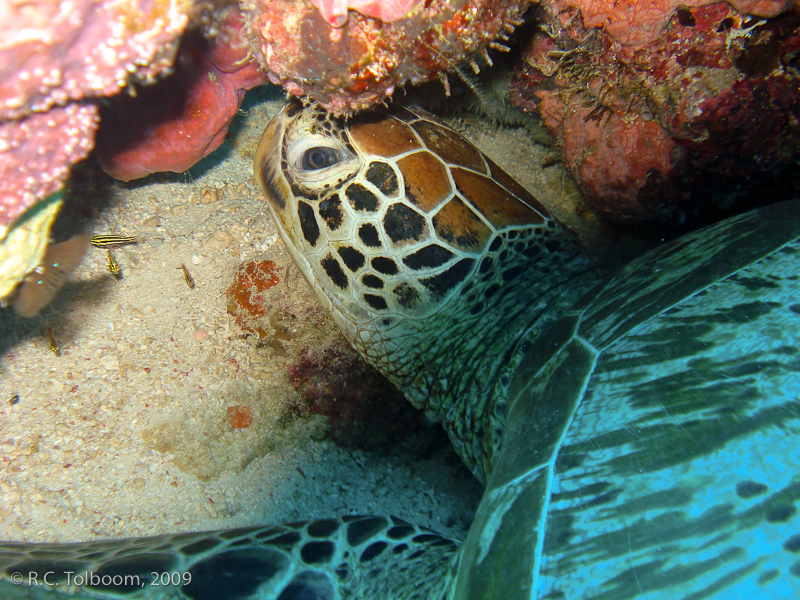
(425, 252)
(301, 161)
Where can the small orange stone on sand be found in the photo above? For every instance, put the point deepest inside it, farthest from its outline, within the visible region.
(240, 417)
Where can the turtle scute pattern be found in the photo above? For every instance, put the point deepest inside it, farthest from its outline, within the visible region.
(348, 557)
(412, 213)
(651, 447)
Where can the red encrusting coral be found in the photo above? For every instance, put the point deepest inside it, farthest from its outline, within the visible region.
(349, 68)
(186, 116)
(245, 302)
(364, 410)
(648, 129)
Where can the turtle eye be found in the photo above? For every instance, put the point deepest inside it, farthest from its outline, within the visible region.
(317, 162)
(319, 157)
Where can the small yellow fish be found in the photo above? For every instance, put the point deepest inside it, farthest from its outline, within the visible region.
(187, 276)
(53, 343)
(112, 241)
(113, 266)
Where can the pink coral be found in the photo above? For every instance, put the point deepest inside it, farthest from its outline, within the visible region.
(37, 151)
(53, 55)
(335, 11)
(54, 52)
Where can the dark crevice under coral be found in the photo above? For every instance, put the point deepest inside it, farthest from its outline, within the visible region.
(363, 409)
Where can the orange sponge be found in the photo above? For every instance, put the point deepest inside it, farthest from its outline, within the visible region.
(245, 301)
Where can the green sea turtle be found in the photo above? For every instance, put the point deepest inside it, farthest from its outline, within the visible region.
(638, 434)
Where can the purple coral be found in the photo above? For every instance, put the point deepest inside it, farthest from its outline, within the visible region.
(363, 408)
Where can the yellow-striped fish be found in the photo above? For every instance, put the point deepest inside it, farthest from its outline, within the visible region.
(113, 266)
(187, 276)
(53, 343)
(112, 241)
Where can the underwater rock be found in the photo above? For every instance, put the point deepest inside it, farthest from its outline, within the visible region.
(354, 66)
(637, 22)
(653, 131)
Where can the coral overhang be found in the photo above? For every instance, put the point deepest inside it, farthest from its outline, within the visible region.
(651, 127)
(58, 62)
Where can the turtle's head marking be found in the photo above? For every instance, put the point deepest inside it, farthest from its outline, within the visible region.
(404, 229)
(301, 156)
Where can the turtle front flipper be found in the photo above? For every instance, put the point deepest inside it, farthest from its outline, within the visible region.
(349, 557)
(651, 449)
